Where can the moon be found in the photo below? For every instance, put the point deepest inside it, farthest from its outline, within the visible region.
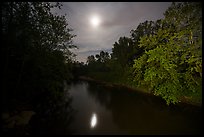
(95, 21)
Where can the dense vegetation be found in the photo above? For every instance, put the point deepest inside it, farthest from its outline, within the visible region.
(164, 56)
(36, 52)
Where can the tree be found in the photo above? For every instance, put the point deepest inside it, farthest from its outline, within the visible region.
(120, 51)
(171, 65)
(91, 59)
(145, 28)
(102, 57)
(36, 47)
(127, 49)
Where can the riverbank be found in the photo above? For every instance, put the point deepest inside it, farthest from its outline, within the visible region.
(113, 84)
(182, 101)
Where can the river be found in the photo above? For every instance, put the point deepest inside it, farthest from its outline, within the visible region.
(99, 109)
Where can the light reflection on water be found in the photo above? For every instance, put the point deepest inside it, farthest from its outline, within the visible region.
(93, 121)
(124, 112)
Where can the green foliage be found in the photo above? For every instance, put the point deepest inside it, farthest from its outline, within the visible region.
(171, 64)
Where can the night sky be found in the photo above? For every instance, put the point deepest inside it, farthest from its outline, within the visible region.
(116, 19)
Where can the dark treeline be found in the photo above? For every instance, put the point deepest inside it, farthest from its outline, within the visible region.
(36, 58)
(164, 56)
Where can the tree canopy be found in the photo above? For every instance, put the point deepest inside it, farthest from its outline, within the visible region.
(171, 64)
(36, 47)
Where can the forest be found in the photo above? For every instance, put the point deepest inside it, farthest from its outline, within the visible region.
(162, 57)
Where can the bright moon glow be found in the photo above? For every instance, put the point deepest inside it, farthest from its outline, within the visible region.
(93, 120)
(95, 21)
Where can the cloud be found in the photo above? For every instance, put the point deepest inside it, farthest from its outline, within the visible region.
(117, 20)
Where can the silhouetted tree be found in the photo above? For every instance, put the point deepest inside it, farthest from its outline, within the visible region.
(35, 49)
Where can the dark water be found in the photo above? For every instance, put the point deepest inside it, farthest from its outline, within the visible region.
(118, 111)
